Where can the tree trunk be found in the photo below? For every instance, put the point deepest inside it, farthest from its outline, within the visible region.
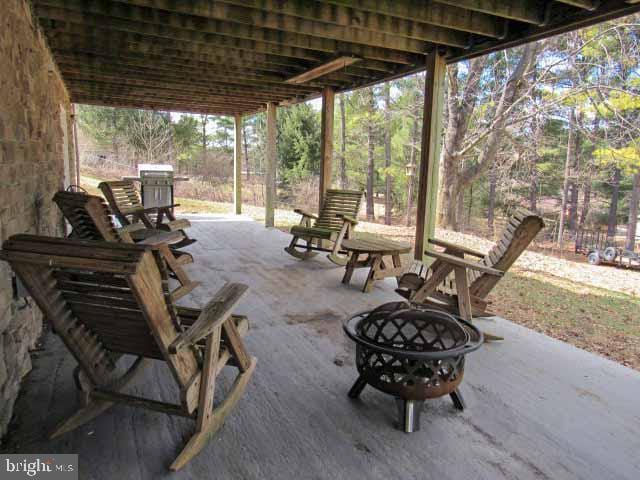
(612, 221)
(455, 179)
(533, 185)
(412, 168)
(387, 153)
(204, 138)
(633, 213)
(575, 173)
(370, 162)
(493, 180)
(343, 144)
(586, 202)
(246, 148)
(569, 160)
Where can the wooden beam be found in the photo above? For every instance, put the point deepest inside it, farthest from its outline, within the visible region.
(59, 40)
(270, 174)
(322, 70)
(149, 22)
(326, 142)
(150, 36)
(430, 151)
(394, 16)
(585, 4)
(265, 16)
(231, 81)
(529, 11)
(155, 90)
(237, 165)
(183, 108)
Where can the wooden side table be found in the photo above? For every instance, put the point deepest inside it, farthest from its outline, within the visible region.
(374, 250)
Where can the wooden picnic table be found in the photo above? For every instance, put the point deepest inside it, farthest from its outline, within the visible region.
(374, 249)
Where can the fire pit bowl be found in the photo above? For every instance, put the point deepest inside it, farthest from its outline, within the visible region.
(412, 353)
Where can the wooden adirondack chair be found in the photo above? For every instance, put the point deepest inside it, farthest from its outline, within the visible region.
(107, 299)
(91, 220)
(334, 223)
(461, 286)
(125, 202)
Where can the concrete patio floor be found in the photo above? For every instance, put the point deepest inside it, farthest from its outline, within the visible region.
(537, 408)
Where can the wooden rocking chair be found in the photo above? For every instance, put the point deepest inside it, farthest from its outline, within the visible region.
(125, 203)
(107, 299)
(461, 286)
(334, 223)
(90, 219)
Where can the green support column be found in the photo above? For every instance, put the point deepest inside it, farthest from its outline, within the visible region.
(430, 151)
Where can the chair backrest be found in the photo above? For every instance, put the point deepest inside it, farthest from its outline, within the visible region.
(88, 215)
(521, 229)
(104, 297)
(123, 198)
(346, 202)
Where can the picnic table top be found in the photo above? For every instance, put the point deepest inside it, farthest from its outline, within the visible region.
(378, 245)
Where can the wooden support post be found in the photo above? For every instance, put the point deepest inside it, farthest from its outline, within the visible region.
(430, 151)
(270, 174)
(237, 165)
(326, 142)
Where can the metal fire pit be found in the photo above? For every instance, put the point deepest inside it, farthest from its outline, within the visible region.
(412, 353)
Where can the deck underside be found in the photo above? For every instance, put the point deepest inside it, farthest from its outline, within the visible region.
(536, 407)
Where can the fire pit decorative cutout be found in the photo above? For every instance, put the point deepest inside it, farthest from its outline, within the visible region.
(412, 353)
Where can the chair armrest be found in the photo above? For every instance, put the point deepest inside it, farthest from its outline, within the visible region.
(347, 218)
(156, 209)
(213, 315)
(132, 227)
(162, 238)
(458, 248)
(461, 262)
(299, 211)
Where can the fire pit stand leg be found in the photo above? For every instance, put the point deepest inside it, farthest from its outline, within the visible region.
(409, 414)
(458, 400)
(357, 387)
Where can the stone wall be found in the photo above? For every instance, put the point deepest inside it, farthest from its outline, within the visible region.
(32, 166)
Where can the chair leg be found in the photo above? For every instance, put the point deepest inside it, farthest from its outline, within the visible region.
(82, 416)
(294, 252)
(217, 418)
(91, 407)
(334, 256)
(186, 284)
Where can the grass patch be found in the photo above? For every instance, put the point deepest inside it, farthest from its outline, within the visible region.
(599, 320)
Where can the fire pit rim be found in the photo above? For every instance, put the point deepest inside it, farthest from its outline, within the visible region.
(350, 324)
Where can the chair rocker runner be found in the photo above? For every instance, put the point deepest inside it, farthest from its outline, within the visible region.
(334, 223)
(107, 299)
(461, 286)
(91, 220)
(124, 200)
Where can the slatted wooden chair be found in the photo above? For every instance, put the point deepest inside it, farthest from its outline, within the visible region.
(106, 300)
(125, 202)
(335, 222)
(91, 220)
(461, 286)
